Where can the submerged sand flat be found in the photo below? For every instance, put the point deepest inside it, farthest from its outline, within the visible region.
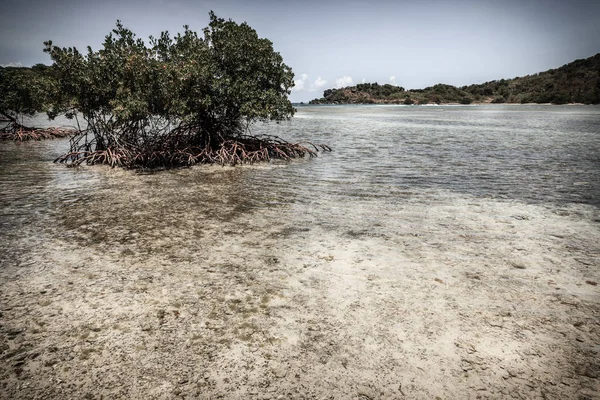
(457, 298)
(237, 283)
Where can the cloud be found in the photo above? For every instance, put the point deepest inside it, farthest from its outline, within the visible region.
(343, 82)
(299, 83)
(364, 80)
(12, 64)
(318, 84)
(393, 79)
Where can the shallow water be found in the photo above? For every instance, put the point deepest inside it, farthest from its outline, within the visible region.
(432, 241)
(383, 158)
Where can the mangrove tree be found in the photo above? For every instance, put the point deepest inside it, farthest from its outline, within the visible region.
(176, 100)
(25, 92)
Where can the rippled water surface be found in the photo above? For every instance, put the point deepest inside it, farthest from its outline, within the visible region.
(383, 157)
(546, 154)
(431, 241)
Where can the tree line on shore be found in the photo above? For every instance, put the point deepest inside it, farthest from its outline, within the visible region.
(576, 82)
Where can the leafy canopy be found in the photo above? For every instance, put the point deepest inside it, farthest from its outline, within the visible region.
(219, 82)
(25, 91)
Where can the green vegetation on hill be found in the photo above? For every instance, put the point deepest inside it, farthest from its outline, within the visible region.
(576, 82)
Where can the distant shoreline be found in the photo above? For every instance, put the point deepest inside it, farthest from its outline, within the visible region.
(302, 104)
(575, 83)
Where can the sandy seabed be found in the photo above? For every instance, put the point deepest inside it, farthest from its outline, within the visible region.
(464, 298)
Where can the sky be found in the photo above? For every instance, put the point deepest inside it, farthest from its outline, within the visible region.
(329, 44)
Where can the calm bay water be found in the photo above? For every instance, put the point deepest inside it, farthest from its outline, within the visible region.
(532, 154)
(427, 235)
(382, 157)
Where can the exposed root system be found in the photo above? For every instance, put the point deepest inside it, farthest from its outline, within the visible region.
(21, 133)
(179, 148)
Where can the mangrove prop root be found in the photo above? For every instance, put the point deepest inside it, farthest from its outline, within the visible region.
(180, 148)
(23, 134)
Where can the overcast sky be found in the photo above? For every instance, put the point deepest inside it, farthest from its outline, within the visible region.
(328, 44)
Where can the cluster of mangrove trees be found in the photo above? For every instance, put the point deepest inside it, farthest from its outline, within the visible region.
(174, 101)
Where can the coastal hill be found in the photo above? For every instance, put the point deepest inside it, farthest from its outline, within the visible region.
(576, 82)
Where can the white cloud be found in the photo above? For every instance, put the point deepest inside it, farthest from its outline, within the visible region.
(299, 83)
(343, 82)
(12, 64)
(318, 84)
(393, 79)
(364, 80)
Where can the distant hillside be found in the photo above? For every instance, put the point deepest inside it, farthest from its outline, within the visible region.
(576, 82)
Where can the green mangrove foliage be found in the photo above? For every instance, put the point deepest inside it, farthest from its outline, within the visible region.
(178, 100)
(25, 92)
